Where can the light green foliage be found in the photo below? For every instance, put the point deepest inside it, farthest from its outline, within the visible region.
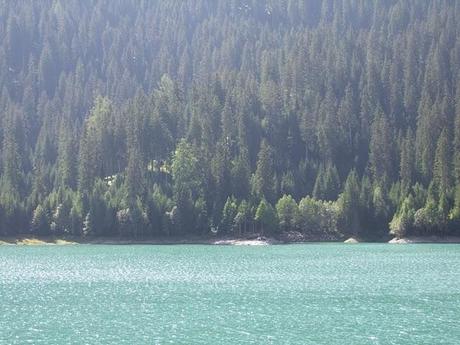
(88, 227)
(318, 217)
(288, 213)
(95, 144)
(229, 212)
(186, 172)
(187, 186)
(455, 213)
(243, 217)
(403, 221)
(266, 217)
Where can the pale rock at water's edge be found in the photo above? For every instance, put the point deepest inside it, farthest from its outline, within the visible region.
(351, 240)
(427, 239)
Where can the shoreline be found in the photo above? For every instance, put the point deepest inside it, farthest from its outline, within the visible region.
(27, 240)
(425, 240)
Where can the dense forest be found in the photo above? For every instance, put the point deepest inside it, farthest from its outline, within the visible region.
(170, 118)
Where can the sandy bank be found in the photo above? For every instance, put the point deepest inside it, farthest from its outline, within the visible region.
(33, 241)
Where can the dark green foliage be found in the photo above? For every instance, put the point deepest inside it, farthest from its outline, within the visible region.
(327, 185)
(407, 162)
(264, 183)
(40, 224)
(442, 166)
(349, 206)
(181, 117)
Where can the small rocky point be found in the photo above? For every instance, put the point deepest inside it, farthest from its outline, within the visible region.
(352, 240)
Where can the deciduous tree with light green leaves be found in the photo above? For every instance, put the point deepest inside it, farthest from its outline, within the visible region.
(288, 213)
(266, 217)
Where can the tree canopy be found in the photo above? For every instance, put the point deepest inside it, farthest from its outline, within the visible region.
(145, 118)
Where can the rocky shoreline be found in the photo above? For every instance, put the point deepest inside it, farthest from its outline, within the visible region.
(52, 241)
(425, 239)
(224, 241)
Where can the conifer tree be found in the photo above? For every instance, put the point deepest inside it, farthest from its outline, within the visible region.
(407, 161)
(442, 169)
(94, 112)
(264, 177)
(349, 205)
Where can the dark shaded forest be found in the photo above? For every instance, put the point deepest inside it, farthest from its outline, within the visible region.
(154, 118)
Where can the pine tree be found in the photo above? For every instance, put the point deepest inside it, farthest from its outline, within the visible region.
(349, 205)
(381, 149)
(327, 184)
(66, 157)
(406, 172)
(94, 146)
(221, 172)
(454, 214)
(135, 176)
(442, 168)
(241, 174)
(456, 148)
(264, 177)
(13, 151)
(319, 89)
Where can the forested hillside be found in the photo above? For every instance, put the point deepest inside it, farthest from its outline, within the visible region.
(146, 118)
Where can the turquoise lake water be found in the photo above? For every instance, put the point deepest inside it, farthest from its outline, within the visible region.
(293, 294)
